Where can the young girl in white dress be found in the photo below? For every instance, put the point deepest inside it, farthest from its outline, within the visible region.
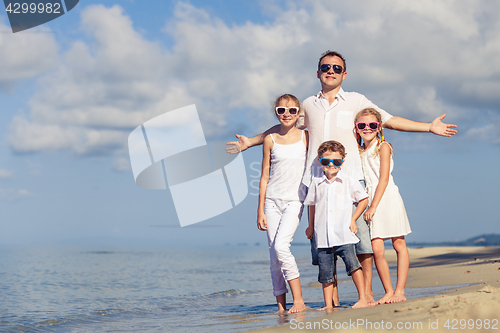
(280, 198)
(386, 214)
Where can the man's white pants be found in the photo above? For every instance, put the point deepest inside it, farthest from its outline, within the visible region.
(283, 218)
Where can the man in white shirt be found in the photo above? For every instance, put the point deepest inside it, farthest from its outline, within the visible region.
(329, 115)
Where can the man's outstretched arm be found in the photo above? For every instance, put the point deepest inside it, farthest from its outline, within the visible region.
(244, 143)
(436, 126)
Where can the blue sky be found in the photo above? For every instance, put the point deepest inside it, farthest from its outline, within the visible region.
(73, 89)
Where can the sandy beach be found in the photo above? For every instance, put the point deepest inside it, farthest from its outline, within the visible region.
(474, 307)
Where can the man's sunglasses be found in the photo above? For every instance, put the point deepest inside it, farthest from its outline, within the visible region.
(280, 110)
(326, 67)
(373, 125)
(326, 161)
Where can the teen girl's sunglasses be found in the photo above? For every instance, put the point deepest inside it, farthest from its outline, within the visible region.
(280, 110)
(326, 67)
(326, 161)
(373, 125)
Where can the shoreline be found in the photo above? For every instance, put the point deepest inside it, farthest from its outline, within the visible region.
(474, 307)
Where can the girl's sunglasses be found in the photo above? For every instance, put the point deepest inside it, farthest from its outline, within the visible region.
(280, 110)
(373, 125)
(326, 161)
(326, 67)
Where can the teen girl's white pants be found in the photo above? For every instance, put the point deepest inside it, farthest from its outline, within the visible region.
(283, 218)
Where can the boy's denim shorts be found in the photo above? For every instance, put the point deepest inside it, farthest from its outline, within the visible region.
(327, 259)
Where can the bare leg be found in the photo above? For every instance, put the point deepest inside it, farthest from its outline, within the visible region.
(298, 301)
(327, 295)
(335, 300)
(399, 245)
(357, 277)
(281, 300)
(382, 269)
(366, 261)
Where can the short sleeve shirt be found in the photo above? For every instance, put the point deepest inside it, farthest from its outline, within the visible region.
(333, 211)
(334, 122)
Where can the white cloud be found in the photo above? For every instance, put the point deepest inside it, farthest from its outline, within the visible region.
(482, 133)
(31, 137)
(486, 133)
(459, 20)
(121, 164)
(417, 60)
(11, 194)
(123, 80)
(25, 55)
(5, 174)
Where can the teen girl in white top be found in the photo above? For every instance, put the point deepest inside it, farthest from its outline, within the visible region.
(280, 198)
(386, 214)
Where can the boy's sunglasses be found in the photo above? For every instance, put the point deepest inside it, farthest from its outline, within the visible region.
(326, 67)
(326, 161)
(280, 110)
(373, 125)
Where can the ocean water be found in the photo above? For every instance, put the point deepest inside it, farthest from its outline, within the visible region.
(152, 289)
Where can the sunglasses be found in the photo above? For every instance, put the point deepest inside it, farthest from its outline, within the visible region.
(326, 161)
(326, 67)
(373, 125)
(280, 110)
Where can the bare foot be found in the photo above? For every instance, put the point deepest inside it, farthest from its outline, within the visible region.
(397, 297)
(326, 308)
(371, 301)
(385, 298)
(298, 308)
(362, 303)
(329, 310)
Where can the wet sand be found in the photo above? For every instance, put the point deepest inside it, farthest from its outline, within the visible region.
(473, 308)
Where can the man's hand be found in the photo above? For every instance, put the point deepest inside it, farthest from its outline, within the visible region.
(238, 146)
(440, 128)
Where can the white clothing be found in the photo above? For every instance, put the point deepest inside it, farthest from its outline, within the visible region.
(390, 219)
(283, 209)
(334, 122)
(287, 169)
(283, 218)
(333, 211)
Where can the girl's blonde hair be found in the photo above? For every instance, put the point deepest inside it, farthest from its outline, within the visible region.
(380, 134)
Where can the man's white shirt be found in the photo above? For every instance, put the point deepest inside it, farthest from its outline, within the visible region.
(334, 122)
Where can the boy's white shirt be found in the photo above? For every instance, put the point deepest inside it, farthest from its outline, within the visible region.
(333, 211)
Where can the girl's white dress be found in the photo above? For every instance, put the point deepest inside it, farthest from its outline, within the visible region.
(390, 219)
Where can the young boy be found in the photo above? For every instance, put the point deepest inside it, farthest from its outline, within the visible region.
(330, 200)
